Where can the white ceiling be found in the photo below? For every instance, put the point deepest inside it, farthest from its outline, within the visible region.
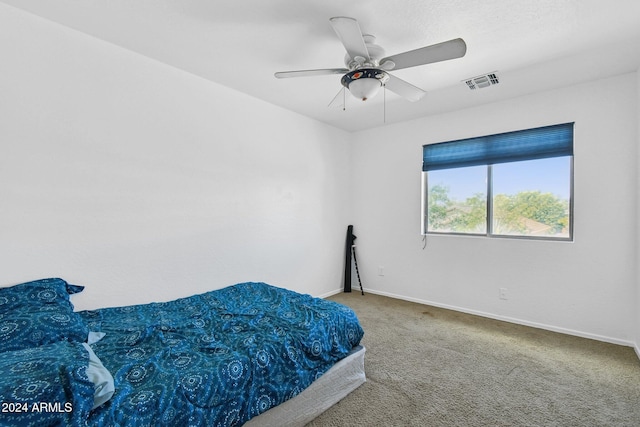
(533, 45)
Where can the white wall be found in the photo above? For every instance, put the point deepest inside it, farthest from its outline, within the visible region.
(637, 309)
(145, 183)
(587, 287)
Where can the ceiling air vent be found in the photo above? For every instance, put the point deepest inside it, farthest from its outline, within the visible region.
(483, 81)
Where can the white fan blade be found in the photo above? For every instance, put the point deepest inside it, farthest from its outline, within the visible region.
(444, 51)
(404, 89)
(350, 35)
(307, 73)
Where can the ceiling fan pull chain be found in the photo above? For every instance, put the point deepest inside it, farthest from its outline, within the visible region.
(384, 103)
(344, 99)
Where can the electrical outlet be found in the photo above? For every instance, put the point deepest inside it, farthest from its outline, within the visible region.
(380, 271)
(502, 293)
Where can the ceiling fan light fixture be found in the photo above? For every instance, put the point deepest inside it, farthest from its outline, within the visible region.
(365, 88)
(364, 83)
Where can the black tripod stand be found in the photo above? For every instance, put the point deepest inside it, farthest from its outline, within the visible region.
(350, 253)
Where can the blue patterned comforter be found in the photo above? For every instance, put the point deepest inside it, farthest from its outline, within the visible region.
(219, 358)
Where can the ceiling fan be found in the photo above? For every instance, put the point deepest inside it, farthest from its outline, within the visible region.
(367, 69)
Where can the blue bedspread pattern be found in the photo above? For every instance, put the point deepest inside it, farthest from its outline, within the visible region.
(219, 358)
(45, 386)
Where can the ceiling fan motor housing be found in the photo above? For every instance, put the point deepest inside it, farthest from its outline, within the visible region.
(375, 54)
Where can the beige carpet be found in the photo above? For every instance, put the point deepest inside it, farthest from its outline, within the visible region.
(427, 366)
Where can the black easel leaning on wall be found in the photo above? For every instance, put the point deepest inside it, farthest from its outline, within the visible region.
(350, 253)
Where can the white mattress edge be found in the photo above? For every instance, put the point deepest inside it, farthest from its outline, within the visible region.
(341, 379)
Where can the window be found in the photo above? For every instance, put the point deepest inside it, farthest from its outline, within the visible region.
(515, 184)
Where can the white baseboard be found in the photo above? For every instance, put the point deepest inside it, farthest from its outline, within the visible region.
(328, 294)
(637, 348)
(512, 320)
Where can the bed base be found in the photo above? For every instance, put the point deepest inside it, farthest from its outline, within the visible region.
(343, 377)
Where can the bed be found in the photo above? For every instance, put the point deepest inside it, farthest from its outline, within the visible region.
(250, 353)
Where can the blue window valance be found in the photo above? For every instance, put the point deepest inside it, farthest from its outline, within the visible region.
(530, 144)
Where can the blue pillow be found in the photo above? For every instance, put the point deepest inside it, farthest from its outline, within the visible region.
(46, 385)
(36, 294)
(38, 313)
